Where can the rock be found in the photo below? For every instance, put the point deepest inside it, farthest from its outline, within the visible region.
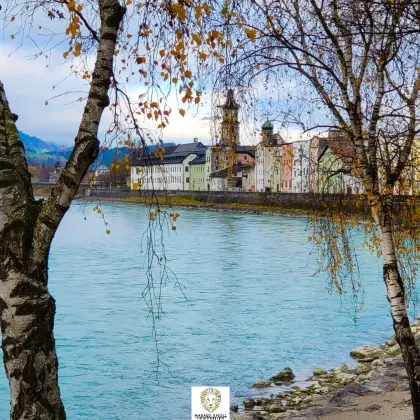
(368, 352)
(394, 350)
(261, 384)
(341, 369)
(249, 403)
(377, 363)
(319, 372)
(373, 407)
(345, 378)
(324, 389)
(284, 376)
(234, 408)
(390, 343)
(276, 408)
(362, 368)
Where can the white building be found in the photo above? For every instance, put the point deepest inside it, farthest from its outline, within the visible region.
(301, 166)
(166, 168)
(268, 160)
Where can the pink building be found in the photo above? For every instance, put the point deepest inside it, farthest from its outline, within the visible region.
(286, 167)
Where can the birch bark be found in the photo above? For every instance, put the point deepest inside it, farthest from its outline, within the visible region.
(27, 228)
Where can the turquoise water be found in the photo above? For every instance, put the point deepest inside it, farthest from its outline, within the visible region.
(253, 307)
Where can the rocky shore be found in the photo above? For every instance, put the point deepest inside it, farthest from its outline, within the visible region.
(378, 384)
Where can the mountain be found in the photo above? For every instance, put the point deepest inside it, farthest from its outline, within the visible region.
(35, 144)
(40, 151)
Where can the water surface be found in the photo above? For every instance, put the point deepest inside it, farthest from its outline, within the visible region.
(253, 307)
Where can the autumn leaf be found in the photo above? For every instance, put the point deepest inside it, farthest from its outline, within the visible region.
(251, 34)
(182, 112)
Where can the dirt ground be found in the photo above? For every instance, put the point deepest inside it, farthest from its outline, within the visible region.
(395, 405)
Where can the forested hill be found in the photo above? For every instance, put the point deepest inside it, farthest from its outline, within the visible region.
(39, 151)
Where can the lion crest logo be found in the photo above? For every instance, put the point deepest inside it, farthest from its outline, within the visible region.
(210, 399)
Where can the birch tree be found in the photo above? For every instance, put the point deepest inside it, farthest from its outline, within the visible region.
(109, 44)
(355, 68)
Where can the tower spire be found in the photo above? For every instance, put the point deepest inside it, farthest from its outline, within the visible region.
(230, 122)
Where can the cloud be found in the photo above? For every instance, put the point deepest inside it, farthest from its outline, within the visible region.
(29, 83)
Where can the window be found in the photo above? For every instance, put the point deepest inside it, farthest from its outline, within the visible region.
(187, 180)
(186, 169)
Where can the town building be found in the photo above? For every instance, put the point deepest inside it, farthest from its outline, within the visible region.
(229, 154)
(337, 172)
(301, 167)
(198, 174)
(268, 160)
(286, 166)
(54, 175)
(166, 168)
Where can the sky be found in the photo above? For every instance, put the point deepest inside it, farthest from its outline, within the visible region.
(30, 83)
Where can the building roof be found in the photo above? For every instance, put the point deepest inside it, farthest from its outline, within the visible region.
(268, 125)
(101, 167)
(171, 155)
(200, 160)
(230, 101)
(246, 149)
(235, 169)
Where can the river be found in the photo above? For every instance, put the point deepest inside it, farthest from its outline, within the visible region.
(252, 307)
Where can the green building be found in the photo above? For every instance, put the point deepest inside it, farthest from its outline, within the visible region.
(198, 174)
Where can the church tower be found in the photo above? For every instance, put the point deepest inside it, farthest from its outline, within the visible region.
(267, 133)
(230, 123)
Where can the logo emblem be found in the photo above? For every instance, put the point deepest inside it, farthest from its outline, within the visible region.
(211, 399)
(210, 403)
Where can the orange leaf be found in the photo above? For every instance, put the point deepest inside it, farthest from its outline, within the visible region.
(182, 112)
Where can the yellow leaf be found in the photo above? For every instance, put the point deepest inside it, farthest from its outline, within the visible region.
(116, 52)
(174, 80)
(203, 56)
(79, 7)
(162, 53)
(188, 73)
(108, 231)
(128, 2)
(197, 39)
(135, 185)
(182, 112)
(251, 34)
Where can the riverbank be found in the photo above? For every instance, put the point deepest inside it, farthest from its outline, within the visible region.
(180, 202)
(376, 389)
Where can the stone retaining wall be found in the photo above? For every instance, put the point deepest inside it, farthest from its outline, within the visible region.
(277, 200)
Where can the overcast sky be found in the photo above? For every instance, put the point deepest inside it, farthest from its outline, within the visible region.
(29, 83)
